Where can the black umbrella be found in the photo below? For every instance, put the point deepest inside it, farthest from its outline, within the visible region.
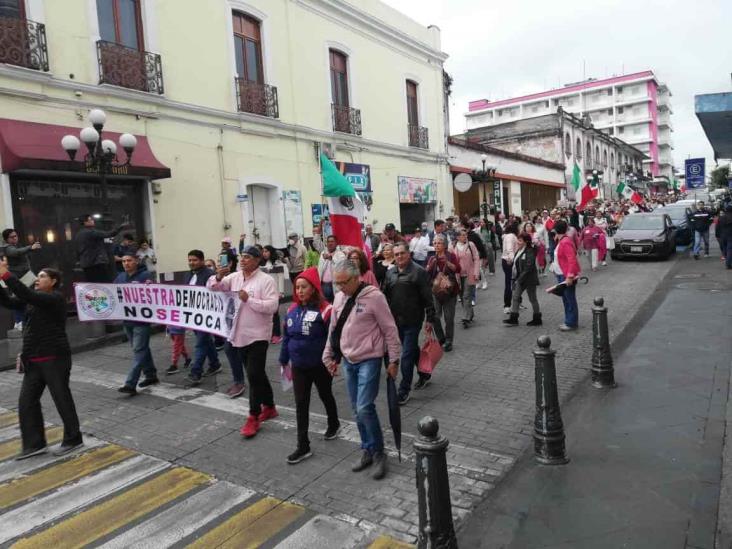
(395, 416)
(558, 289)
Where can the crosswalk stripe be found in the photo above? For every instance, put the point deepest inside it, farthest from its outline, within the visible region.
(63, 473)
(12, 447)
(184, 518)
(324, 532)
(105, 518)
(74, 497)
(12, 469)
(386, 542)
(7, 419)
(245, 529)
(8, 433)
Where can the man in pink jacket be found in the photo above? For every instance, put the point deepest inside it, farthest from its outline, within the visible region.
(251, 331)
(359, 343)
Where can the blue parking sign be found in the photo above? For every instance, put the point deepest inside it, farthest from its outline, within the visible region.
(695, 173)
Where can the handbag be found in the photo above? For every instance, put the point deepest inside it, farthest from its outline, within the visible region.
(430, 354)
(610, 242)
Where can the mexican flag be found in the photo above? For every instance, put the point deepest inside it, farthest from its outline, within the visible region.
(576, 178)
(346, 209)
(626, 192)
(588, 191)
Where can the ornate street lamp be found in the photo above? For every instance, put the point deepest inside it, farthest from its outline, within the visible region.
(485, 174)
(101, 155)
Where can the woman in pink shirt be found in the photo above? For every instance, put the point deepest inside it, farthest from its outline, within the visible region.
(251, 331)
(367, 275)
(469, 260)
(591, 235)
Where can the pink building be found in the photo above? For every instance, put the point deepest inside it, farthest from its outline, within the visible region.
(635, 108)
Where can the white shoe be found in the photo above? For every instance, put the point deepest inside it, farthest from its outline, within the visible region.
(18, 326)
(472, 302)
(604, 263)
(506, 310)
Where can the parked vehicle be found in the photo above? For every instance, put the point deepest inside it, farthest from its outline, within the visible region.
(645, 235)
(679, 214)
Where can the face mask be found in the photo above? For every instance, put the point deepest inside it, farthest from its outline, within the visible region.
(292, 242)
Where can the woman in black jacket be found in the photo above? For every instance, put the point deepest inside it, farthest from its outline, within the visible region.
(46, 359)
(525, 277)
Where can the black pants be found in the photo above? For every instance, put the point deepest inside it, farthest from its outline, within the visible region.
(38, 375)
(302, 382)
(254, 357)
(276, 325)
(97, 273)
(507, 291)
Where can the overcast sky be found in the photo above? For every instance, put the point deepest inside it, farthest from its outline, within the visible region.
(505, 49)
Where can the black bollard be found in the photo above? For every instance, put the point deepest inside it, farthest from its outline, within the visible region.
(433, 488)
(603, 374)
(548, 427)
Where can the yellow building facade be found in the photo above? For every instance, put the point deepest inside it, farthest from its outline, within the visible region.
(236, 99)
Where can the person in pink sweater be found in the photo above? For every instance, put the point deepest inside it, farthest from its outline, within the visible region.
(566, 267)
(591, 235)
(251, 331)
(469, 260)
(361, 328)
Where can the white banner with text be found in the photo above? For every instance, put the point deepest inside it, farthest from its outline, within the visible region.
(191, 307)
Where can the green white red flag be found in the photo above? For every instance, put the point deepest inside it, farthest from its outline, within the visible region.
(628, 193)
(346, 209)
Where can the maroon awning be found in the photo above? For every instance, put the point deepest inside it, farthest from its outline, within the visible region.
(33, 146)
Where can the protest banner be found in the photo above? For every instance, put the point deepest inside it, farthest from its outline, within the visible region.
(192, 307)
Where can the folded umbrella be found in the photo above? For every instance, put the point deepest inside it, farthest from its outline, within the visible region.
(558, 289)
(395, 416)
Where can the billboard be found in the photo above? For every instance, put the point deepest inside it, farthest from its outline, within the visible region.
(695, 168)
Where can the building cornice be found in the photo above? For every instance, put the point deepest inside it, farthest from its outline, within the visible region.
(478, 147)
(344, 13)
(159, 107)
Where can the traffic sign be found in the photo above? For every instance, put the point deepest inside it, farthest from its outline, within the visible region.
(463, 182)
(695, 168)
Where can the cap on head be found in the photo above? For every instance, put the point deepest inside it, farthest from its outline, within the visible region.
(226, 239)
(389, 227)
(292, 235)
(252, 251)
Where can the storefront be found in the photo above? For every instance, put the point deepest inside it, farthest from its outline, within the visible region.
(417, 199)
(44, 193)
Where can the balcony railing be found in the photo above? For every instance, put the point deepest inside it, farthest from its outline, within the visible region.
(346, 119)
(257, 98)
(23, 43)
(129, 67)
(418, 137)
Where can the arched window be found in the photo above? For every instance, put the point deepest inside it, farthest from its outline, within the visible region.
(612, 160)
(578, 149)
(597, 155)
(567, 145)
(248, 48)
(604, 158)
(339, 77)
(589, 153)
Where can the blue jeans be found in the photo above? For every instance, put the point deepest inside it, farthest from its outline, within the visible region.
(698, 237)
(139, 337)
(205, 348)
(727, 251)
(328, 293)
(362, 382)
(571, 310)
(236, 361)
(409, 336)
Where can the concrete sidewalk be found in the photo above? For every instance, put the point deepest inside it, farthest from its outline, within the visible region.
(646, 458)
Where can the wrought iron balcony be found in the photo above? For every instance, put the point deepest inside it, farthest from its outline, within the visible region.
(346, 119)
(23, 43)
(418, 137)
(129, 67)
(257, 98)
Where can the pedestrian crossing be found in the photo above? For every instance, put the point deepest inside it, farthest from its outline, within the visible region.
(109, 496)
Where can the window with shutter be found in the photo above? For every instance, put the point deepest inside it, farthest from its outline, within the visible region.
(14, 9)
(120, 22)
(412, 105)
(339, 78)
(248, 48)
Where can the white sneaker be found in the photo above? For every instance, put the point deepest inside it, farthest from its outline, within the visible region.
(18, 326)
(506, 310)
(472, 302)
(604, 263)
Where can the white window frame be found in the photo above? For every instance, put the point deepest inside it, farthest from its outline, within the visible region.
(352, 95)
(420, 96)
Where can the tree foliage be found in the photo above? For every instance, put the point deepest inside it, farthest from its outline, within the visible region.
(719, 177)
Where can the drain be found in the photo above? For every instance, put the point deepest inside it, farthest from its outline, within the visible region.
(709, 286)
(690, 276)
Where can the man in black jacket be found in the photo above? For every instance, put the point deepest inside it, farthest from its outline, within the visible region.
(700, 221)
(93, 257)
(408, 291)
(205, 347)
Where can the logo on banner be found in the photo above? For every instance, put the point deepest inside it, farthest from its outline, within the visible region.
(695, 168)
(97, 302)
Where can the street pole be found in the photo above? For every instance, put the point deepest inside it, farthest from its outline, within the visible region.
(548, 427)
(603, 373)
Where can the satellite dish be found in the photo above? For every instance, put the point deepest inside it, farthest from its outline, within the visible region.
(463, 182)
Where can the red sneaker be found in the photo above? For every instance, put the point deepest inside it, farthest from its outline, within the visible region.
(276, 340)
(268, 412)
(250, 428)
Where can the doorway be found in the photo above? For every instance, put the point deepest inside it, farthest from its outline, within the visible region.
(266, 223)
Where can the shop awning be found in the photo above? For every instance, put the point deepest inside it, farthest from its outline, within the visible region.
(509, 177)
(33, 146)
(714, 111)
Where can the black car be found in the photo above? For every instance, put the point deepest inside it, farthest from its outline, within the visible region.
(679, 214)
(645, 235)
